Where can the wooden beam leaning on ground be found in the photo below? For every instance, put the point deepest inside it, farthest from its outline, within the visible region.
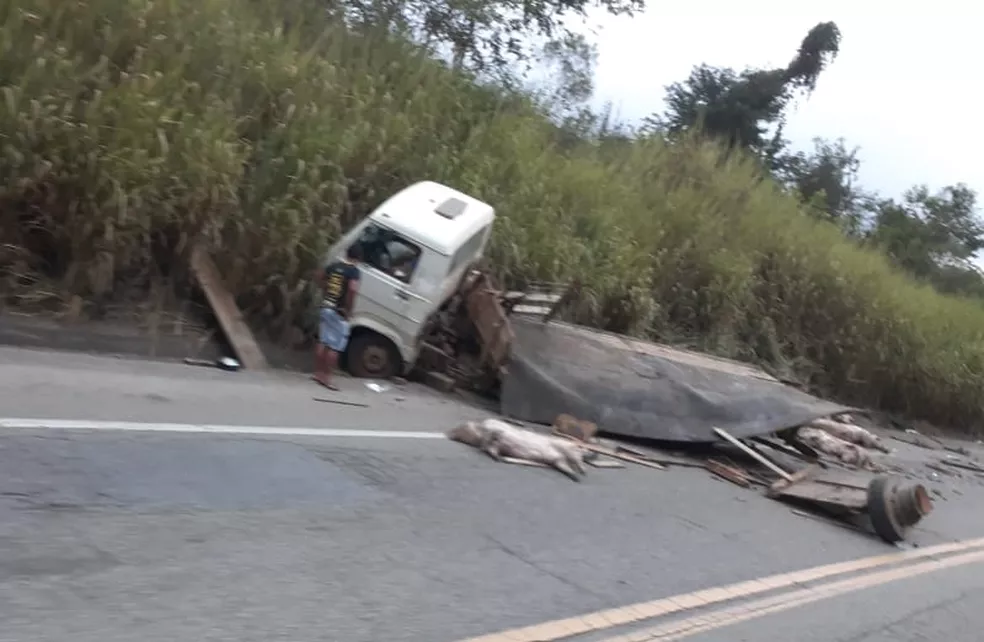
(224, 306)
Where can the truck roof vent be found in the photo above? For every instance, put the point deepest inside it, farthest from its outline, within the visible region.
(451, 208)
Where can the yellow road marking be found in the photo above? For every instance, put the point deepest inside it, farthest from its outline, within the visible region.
(609, 618)
(680, 629)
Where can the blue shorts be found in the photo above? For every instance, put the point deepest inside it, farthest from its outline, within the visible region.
(333, 330)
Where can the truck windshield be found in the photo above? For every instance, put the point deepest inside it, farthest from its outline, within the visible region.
(389, 252)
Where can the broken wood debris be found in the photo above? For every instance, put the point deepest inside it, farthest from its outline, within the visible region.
(913, 441)
(892, 504)
(965, 466)
(942, 469)
(915, 438)
(794, 470)
(781, 484)
(790, 447)
(960, 450)
(751, 452)
(730, 473)
(666, 460)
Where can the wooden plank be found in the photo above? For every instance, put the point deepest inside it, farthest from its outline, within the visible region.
(494, 330)
(226, 311)
(659, 458)
(754, 454)
(730, 473)
(830, 496)
(623, 457)
(801, 474)
(956, 464)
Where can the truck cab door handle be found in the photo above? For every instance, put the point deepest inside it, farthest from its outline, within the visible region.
(403, 294)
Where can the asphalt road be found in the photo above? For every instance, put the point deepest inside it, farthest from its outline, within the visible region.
(125, 535)
(928, 609)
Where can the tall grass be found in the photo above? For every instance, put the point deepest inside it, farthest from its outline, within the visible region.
(130, 128)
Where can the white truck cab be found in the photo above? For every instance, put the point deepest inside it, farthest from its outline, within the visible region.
(416, 246)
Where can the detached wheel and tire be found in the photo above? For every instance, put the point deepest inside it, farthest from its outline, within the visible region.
(372, 356)
(895, 507)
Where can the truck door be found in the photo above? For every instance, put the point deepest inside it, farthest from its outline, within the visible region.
(391, 264)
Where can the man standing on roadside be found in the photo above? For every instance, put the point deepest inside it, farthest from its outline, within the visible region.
(339, 282)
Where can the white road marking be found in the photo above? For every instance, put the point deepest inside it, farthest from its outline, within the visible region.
(134, 426)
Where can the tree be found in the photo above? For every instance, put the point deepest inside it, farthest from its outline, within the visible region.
(826, 180)
(739, 108)
(485, 37)
(933, 236)
(567, 67)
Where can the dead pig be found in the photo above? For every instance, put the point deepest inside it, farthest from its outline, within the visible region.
(499, 439)
(848, 453)
(850, 432)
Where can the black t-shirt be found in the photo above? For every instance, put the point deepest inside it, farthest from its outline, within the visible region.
(338, 280)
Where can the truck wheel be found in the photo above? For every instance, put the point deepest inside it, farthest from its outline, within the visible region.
(882, 510)
(372, 356)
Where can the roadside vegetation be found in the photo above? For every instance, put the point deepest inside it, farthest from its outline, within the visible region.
(131, 128)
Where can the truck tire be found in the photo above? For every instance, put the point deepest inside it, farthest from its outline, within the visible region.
(372, 356)
(882, 510)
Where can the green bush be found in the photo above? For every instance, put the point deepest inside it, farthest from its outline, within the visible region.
(129, 128)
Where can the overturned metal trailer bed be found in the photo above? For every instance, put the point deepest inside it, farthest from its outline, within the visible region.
(635, 388)
(505, 342)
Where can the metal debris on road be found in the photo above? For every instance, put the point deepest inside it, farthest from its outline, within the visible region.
(224, 363)
(341, 402)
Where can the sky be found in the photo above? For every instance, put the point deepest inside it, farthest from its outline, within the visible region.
(903, 89)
